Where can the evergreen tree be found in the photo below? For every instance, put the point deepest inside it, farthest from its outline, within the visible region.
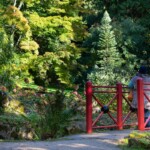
(106, 68)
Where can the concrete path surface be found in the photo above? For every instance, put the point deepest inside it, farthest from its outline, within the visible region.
(106, 140)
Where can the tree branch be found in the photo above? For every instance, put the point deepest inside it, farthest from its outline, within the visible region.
(20, 5)
(18, 40)
(15, 1)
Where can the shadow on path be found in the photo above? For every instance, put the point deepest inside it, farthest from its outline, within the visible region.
(106, 140)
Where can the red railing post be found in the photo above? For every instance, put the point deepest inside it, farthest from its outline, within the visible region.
(140, 98)
(88, 107)
(119, 106)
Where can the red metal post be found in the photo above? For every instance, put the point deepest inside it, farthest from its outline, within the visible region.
(89, 107)
(140, 98)
(119, 106)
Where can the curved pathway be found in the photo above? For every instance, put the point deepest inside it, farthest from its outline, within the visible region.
(106, 140)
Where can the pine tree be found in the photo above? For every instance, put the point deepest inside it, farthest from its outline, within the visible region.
(105, 70)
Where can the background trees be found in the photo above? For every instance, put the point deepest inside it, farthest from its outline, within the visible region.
(59, 42)
(59, 30)
(129, 32)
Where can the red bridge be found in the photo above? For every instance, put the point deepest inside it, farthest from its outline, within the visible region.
(118, 95)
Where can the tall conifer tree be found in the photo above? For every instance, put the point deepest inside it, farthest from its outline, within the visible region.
(106, 67)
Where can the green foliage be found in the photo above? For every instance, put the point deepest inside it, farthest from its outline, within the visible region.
(43, 40)
(105, 71)
(17, 48)
(107, 52)
(47, 113)
(58, 36)
(15, 106)
(54, 116)
(134, 15)
(136, 140)
(44, 115)
(132, 37)
(14, 17)
(130, 24)
(129, 37)
(29, 45)
(3, 100)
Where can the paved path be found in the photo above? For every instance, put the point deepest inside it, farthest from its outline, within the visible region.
(106, 140)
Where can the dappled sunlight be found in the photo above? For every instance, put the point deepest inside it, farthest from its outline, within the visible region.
(77, 145)
(113, 142)
(30, 148)
(102, 135)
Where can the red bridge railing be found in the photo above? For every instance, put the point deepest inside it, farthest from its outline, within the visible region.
(118, 91)
(141, 93)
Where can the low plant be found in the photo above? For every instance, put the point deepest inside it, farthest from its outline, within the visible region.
(54, 117)
(136, 141)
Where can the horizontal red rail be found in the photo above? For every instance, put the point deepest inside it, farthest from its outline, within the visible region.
(104, 87)
(146, 89)
(108, 91)
(146, 83)
(104, 91)
(102, 127)
(130, 125)
(147, 128)
(95, 86)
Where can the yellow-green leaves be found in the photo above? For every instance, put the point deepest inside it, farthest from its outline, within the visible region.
(14, 17)
(29, 45)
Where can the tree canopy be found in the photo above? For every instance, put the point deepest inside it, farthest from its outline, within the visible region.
(53, 42)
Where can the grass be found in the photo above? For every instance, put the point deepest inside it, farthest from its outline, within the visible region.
(35, 87)
(48, 89)
(136, 141)
(123, 144)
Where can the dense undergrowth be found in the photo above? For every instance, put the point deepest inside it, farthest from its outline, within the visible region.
(31, 114)
(35, 114)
